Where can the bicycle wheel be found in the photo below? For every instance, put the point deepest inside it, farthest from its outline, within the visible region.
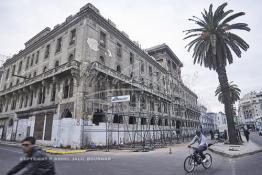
(189, 164)
(208, 163)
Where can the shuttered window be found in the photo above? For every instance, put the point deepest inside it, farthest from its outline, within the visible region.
(48, 127)
(39, 126)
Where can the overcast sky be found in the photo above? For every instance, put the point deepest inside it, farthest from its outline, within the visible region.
(151, 22)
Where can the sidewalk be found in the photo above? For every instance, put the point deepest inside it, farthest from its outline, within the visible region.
(50, 150)
(234, 151)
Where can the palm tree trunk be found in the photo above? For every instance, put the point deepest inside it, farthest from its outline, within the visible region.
(222, 77)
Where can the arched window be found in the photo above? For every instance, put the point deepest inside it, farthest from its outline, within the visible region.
(13, 105)
(166, 122)
(99, 116)
(168, 65)
(66, 88)
(71, 57)
(132, 120)
(159, 107)
(152, 105)
(71, 87)
(131, 58)
(67, 113)
(133, 100)
(53, 92)
(102, 59)
(152, 121)
(142, 67)
(20, 67)
(159, 122)
(165, 108)
(118, 68)
(174, 66)
(143, 103)
(173, 123)
(143, 121)
(32, 60)
(56, 63)
(118, 118)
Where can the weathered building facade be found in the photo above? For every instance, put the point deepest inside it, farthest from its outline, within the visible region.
(59, 88)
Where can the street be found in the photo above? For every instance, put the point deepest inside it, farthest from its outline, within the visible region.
(148, 163)
(256, 138)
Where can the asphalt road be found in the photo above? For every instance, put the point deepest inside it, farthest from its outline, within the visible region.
(127, 163)
(256, 138)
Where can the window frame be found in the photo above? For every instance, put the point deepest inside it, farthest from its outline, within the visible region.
(119, 49)
(102, 37)
(72, 39)
(58, 47)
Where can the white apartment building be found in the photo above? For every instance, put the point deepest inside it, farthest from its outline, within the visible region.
(206, 121)
(250, 110)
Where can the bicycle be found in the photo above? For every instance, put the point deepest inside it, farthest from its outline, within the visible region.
(194, 159)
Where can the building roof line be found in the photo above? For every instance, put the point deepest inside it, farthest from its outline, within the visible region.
(165, 46)
(83, 11)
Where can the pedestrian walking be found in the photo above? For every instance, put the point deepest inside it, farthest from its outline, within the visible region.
(212, 135)
(246, 133)
(225, 135)
(35, 162)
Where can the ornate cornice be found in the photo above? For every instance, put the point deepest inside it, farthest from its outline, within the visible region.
(118, 34)
(91, 13)
(51, 35)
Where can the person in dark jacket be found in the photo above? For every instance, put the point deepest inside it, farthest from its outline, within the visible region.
(246, 133)
(35, 162)
(225, 134)
(212, 135)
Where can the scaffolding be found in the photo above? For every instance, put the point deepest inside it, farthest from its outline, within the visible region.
(132, 127)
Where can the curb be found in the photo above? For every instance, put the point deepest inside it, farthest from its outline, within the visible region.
(50, 151)
(64, 152)
(234, 156)
(13, 145)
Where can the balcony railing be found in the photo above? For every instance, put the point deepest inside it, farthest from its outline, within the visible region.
(137, 83)
(69, 65)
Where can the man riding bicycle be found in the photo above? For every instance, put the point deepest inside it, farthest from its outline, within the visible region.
(202, 144)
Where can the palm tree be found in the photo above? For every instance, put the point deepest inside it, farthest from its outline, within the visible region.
(213, 43)
(234, 93)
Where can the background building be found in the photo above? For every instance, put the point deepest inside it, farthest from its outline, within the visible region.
(207, 121)
(219, 121)
(59, 88)
(250, 110)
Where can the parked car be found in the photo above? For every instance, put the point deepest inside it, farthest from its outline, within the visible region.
(260, 132)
